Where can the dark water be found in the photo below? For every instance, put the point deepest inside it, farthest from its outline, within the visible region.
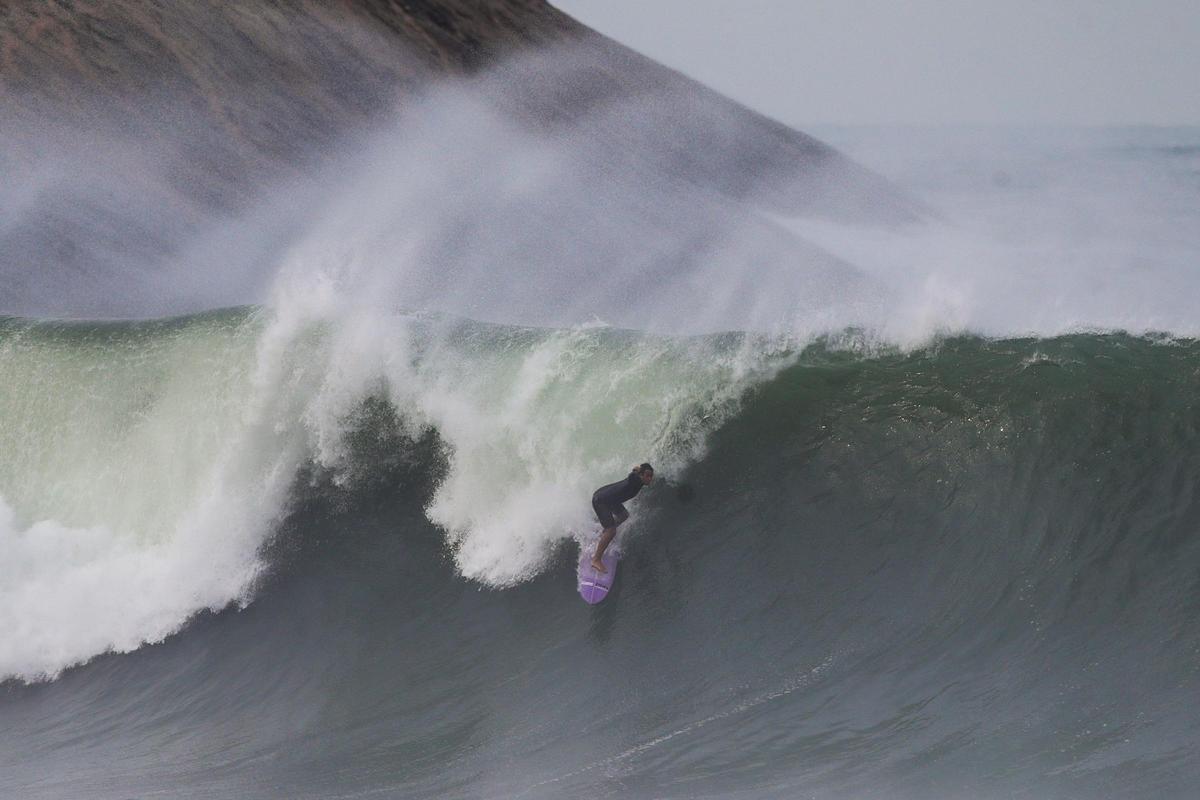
(972, 571)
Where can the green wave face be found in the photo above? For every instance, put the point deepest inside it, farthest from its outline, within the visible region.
(119, 424)
(146, 463)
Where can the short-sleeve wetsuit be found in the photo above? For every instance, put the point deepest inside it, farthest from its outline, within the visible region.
(607, 500)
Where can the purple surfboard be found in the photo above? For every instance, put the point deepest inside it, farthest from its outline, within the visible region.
(593, 585)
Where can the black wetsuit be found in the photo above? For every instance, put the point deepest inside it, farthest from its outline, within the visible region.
(607, 500)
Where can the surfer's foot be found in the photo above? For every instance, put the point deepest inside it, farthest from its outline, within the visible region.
(598, 565)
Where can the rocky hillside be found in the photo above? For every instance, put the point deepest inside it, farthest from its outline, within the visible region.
(197, 105)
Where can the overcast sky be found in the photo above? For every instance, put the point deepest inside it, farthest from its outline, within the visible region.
(808, 62)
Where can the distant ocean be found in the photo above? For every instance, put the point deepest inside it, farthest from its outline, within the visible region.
(939, 541)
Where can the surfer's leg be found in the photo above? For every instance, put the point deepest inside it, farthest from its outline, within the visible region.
(608, 521)
(605, 538)
(615, 517)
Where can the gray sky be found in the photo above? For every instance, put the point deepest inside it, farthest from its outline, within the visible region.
(806, 62)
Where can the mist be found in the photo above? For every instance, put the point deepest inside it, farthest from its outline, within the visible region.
(1038, 231)
(475, 200)
(463, 209)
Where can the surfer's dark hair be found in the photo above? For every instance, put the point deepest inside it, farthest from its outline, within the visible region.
(644, 468)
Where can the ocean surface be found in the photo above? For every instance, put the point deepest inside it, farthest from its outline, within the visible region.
(936, 538)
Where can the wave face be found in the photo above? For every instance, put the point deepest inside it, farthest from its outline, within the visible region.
(147, 463)
(883, 574)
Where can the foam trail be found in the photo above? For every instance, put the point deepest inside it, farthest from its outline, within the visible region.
(802, 680)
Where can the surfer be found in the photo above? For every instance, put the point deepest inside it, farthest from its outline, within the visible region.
(607, 500)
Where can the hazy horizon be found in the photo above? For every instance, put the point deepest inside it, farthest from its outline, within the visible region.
(930, 62)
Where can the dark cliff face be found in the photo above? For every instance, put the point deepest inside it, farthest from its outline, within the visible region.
(129, 127)
(264, 82)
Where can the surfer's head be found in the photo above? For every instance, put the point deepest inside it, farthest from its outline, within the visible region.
(645, 472)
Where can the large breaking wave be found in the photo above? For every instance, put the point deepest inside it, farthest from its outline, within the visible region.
(925, 526)
(884, 569)
(146, 463)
